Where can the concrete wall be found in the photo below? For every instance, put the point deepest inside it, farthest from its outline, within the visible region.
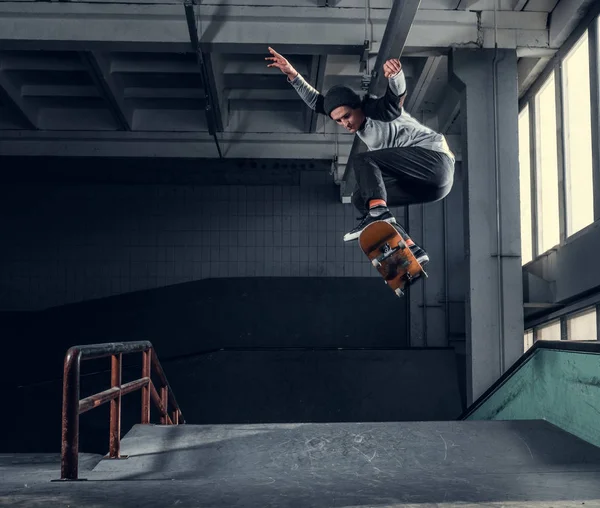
(81, 240)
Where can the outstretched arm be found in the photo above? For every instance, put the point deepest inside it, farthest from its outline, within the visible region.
(388, 107)
(311, 97)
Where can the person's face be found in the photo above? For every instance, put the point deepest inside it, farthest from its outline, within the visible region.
(350, 119)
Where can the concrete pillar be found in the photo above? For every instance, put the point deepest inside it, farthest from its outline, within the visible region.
(487, 83)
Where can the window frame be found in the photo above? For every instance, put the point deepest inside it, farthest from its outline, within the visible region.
(579, 313)
(589, 23)
(551, 80)
(563, 315)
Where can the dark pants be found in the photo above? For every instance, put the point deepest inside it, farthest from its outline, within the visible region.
(401, 176)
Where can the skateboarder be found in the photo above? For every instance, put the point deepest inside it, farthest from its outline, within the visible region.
(407, 163)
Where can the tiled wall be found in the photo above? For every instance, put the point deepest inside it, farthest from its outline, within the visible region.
(64, 243)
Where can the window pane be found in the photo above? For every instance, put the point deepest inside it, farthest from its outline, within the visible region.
(547, 169)
(527, 340)
(525, 179)
(551, 331)
(578, 137)
(582, 326)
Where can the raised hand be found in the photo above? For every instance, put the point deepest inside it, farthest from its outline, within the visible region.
(281, 63)
(391, 67)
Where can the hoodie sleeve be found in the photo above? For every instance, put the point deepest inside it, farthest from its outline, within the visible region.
(388, 107)
(311, 97)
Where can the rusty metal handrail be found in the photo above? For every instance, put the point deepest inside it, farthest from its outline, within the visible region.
(73, 406)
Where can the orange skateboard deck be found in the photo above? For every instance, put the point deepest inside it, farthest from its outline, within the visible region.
(388, 252)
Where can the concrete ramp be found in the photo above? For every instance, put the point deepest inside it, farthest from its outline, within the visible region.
(529, 464)
(373, 464)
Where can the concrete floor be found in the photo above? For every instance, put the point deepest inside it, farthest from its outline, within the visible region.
(443, 464)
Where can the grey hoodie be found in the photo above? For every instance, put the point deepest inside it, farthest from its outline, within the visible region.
(387, 125)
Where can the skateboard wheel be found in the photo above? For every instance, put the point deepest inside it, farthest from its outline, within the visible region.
(375, 262)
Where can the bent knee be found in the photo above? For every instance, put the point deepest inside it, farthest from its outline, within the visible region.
(441, 191)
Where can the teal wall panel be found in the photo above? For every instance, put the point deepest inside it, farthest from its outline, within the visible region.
(513, 400)
(561, 387)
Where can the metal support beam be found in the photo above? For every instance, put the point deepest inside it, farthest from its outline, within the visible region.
(214, 75)
(255, 94)
(98, 66)
(528, 69)
(401, 18)
(117, 26)
(565, 17)
(348, 182)
(197, 144)
(416, 98)
(12, 96)
(316, 78)
(269, 145)
(449, 110)
(209, 88)
(464, 5)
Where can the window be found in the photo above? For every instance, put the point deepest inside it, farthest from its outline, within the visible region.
(578, 137)
(547, 168)
(527, 340)
(525, 179)
(582, 326)
(550, 331)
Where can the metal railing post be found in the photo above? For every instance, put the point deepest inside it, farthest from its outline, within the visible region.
(146, 370)
(164, 398)
(115, 408)
(69, 466)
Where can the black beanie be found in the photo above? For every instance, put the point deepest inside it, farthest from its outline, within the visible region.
(340, 95)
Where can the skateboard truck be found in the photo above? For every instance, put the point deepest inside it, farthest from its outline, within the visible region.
(387, 252)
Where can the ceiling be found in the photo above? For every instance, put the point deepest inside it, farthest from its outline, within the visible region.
(124, 79)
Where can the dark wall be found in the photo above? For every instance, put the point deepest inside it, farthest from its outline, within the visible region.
(196, 317)
(75, 230)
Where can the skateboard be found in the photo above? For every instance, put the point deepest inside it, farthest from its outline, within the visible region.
(388, 252)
